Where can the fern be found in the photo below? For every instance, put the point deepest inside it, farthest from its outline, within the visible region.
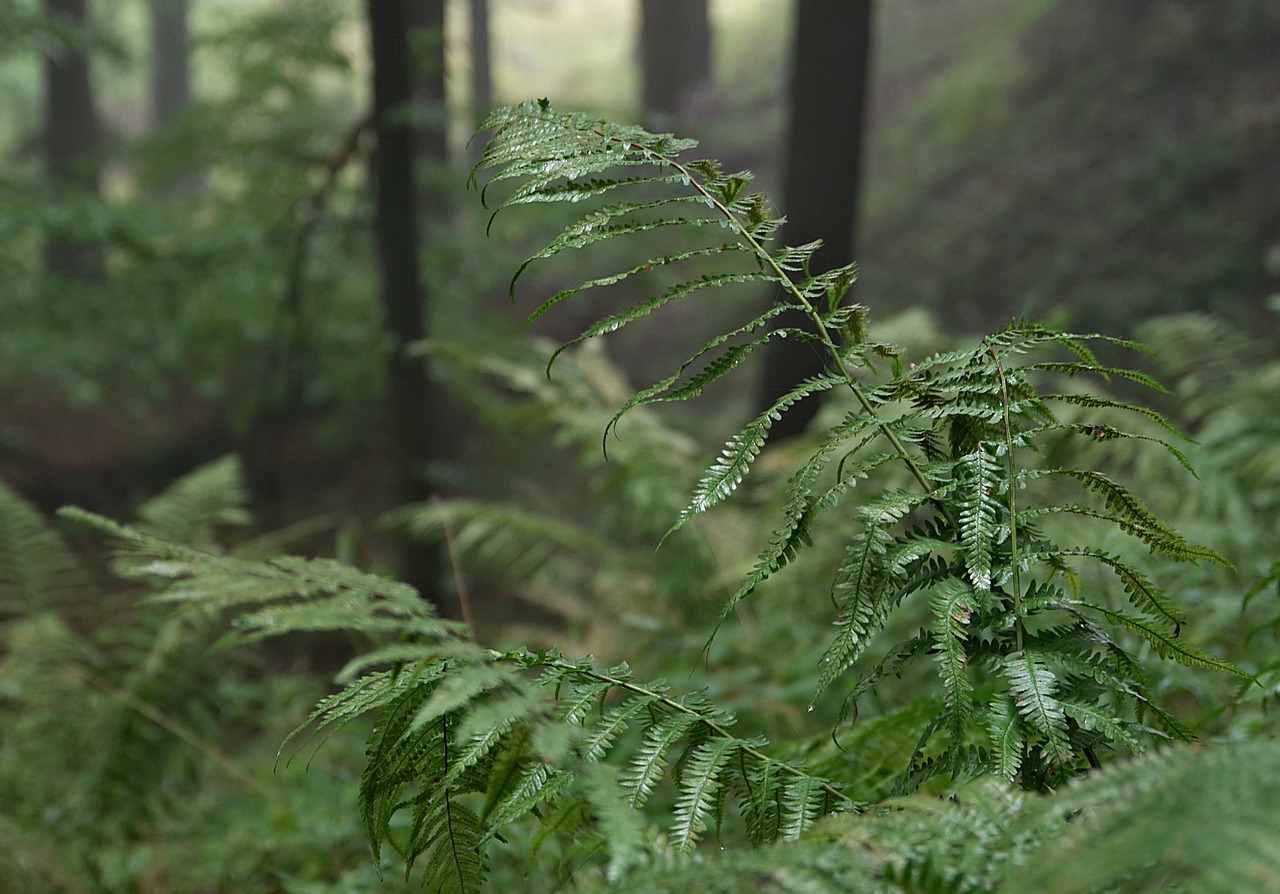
(963, 424)
(1039, 677)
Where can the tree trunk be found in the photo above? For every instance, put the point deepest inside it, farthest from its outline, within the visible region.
(170, 68)
(426, 75)
(72, 139)
(675, 55)
(830, 76)
(409, 402)
(481, 61)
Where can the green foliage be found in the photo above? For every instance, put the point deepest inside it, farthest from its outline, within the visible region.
(1176, 820)
(941, 482)
(469, 740)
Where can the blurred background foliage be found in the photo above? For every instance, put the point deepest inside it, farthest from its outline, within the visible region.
(1100, 164)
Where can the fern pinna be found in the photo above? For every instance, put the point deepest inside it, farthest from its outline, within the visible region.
(1038, 673)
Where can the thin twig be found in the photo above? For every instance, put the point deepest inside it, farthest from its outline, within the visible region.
(459, 578)
(174, 728)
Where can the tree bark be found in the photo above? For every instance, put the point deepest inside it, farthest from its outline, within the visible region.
(831, 52)
(675, 55)
(170, 68)
(71, 138)
(409, 403)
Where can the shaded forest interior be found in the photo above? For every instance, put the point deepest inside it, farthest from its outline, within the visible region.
(1091, 163)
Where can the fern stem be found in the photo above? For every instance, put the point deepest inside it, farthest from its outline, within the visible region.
(459, 575)
(1014, 561)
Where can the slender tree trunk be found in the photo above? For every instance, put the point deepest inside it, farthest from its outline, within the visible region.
(170, 68)
(481, 61)
(830, 77)
(409, 405)
(72, 139)
(675, 54)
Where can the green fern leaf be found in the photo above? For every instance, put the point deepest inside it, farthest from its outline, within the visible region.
(190, 510)
(1033, 688)
(651, 757)
(980, 512)
(863, 591)
(954, 603)
(614, 322)
(647, 266)
(1181, 819)
(447, 836)
(700, 790)
(1167, 644)
(804, 799)
(613, 723)
(761, 804)
(1142, 593)
(534, 785)
(735, 460)
(1008, 738)
(626, 838)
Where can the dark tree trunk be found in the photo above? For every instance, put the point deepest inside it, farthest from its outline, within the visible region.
(170, 68)
(409, 403)
(71, 139)
(481, 61)
(830, 76)
(675, 54)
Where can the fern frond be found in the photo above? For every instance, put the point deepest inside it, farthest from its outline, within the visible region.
(614, 722)
(802, 507)
(863, 591)
(1133, 515)
(447, 836)
(1094, 401)
(715, 369)
(803, 801)
(627, 839)
(1142, 593)
(191, 509)
(498, 535)
(38, 572)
